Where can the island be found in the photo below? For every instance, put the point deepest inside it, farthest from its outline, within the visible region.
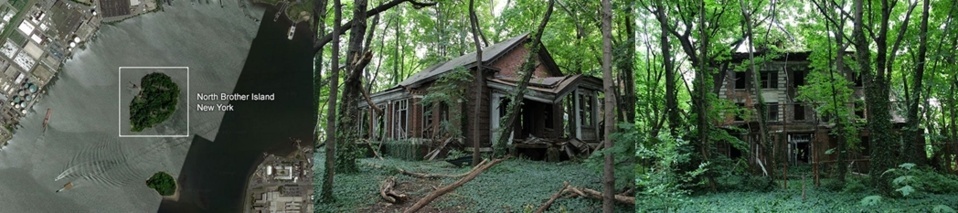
(155, 103)
(162, 183)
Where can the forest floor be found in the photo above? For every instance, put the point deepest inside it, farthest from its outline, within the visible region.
(816, 200)
(803, 196)
(514, 185)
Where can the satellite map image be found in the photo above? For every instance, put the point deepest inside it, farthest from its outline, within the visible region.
(110, 108)
(300, 106)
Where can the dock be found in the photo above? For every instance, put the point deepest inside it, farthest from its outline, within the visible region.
(46, 120)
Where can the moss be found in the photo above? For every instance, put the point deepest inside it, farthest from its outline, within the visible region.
(155, 103)
(162, 183)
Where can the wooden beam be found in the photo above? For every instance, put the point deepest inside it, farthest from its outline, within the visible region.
(545, 206)
(446, 189)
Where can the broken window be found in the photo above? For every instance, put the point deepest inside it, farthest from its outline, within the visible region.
(857, 77)
(799, 112)
(503, 107)
(738, 115)
(741, 80)
(798, 78)
(859, 109)
(427, 127)
(363, 111)
(772, 109)
(378, 123)
(400, 118)
(443, 112)
(769, 79)
(585, 109)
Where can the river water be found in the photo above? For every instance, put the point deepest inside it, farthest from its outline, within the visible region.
(81, 144)
(215, 172)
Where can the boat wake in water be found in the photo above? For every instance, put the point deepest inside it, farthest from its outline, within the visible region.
(106, 164)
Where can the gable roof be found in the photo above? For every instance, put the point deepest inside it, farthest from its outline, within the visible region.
(551, 89)
(489, 54)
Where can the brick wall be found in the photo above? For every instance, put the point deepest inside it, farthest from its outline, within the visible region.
(511, 62)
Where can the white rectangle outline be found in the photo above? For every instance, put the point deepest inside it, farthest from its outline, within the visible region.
(119, 106)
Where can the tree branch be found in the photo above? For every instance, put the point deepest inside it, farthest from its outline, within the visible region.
(901, 34)
(446, 189)
(322, 41)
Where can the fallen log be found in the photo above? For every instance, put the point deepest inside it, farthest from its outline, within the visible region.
(428, 176)
(436, 176)
(545, 206)
(628, 192)
(374, 149)
(598, 195)
(446, 189)
(387, 193)
(432, 155)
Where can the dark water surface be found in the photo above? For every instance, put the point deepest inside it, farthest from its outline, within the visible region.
(215, 173)
(81, 144)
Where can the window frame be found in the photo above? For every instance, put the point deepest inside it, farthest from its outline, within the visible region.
(400, 119)
(769, 79)
(769, 106)
(586, 110)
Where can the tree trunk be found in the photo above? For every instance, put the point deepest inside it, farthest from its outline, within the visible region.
(914, 151)
(627, 67)
(756, 76)
(479, 80)
(608, 184)
(872, 93)
(349, 130)
(702, 105)
(671, 95)
(840, 121)
(327, 194)
(527, 70)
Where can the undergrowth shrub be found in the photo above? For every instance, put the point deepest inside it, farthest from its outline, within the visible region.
(855, 185)
(936, 183)
(409, 149)
(905, 182)
(660, 181)
(733, 175)
(622, 152)
(910, 181)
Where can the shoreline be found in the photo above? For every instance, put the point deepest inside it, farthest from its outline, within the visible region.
(284, 7)
(176, 193)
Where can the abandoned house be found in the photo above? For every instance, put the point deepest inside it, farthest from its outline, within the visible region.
(558, 117)
(793, 127)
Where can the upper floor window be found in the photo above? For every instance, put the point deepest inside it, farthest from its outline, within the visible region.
(772, 109)
(857, 77)
(799, 111)
(741, 80)
(798, 78)
(769, 79)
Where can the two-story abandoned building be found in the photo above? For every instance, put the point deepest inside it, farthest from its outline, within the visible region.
(559, 111)
(793, 126)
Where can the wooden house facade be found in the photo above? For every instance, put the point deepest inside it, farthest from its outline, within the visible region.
(796, 132)
(557, 108)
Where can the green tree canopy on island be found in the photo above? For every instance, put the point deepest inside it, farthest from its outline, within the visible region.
(155, 103)
(162, 183)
